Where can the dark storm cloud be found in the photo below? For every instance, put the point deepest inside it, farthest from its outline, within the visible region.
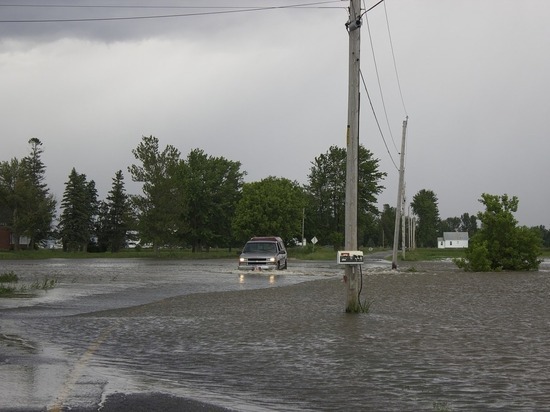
(125, 19)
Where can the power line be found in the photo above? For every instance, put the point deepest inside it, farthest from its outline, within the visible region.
(380, 84)
(394, 61)
(377, 122)
(211, 10)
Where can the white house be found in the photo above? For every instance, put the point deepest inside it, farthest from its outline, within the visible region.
(453, 240)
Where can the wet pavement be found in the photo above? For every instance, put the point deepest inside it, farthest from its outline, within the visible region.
(166, 332)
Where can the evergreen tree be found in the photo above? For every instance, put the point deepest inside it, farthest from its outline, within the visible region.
(114, 217)
(79, 211)
(41, 214)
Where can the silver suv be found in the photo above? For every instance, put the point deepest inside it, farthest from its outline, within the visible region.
(263, 253)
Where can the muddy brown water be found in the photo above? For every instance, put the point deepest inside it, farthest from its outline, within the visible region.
(436, 339)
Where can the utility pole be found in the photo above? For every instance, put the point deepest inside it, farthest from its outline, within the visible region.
(352, 274)
(400, 196)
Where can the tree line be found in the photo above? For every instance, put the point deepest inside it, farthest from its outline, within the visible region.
(198, 201)
(201, 201)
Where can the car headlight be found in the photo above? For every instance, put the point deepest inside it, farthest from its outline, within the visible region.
(242, 260)
(272, 260)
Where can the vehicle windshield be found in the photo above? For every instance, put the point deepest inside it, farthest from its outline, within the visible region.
(260, 247)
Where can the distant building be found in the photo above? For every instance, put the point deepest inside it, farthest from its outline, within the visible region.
(5, 236)
(453, 240)
(7, 239)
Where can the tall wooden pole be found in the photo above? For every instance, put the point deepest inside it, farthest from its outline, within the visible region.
(352, 163)
(400, 193)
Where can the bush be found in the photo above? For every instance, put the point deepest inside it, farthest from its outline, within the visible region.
(8, 277)
(500, 244)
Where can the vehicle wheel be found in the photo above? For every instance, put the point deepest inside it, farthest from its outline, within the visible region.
(286, 264)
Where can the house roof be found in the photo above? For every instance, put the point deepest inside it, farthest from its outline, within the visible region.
(455, 235)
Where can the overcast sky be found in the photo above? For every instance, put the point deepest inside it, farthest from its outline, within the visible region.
(269, 88)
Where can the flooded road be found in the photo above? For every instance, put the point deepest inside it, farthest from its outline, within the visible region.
(436, 339)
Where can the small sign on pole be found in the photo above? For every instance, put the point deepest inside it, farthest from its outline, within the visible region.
(314, 241)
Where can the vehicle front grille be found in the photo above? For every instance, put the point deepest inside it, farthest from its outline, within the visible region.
(258, 261)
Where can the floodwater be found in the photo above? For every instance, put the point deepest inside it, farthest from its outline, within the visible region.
(436, 338)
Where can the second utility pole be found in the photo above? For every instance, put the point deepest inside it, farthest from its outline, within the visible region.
(352, 163)
(400, 194)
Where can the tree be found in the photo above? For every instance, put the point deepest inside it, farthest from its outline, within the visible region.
(41, 214)
(544, 234)
(500, 244)
(161, 206)
(387, 224)
(451, 224)
(424, 205)
(79, 210)
(212, 187)
(115, 216)
(468, 224)
(272, 206)
(26, 206)
(16, 193)
(326, 188)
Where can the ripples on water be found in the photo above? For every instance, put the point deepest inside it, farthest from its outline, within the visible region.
(443, 341)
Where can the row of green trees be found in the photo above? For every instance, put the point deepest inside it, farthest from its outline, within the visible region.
(199, 201)
(499, 243)
(429, 225)
(202, 201)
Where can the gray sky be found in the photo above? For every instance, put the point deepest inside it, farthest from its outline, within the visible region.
(269, 89)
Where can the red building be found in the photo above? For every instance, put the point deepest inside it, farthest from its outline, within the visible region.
(5, 237)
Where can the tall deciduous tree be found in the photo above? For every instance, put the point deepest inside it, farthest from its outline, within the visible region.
(424, 205)
(212, 188)
(500, 244)
(79, 211)
(327, 185)
(270, 207)
(16, 194)
(161, 206)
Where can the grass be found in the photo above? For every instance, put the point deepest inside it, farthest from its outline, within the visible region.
(8, 277)
(307, 253)
(123, 254)
(428, 254)
(10, 287)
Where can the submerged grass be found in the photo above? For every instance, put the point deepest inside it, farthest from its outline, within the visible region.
(10, 287)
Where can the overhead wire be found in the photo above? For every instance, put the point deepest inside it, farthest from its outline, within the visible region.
(211, 10)
(380, 84)
(376, 119)
(394, 60)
